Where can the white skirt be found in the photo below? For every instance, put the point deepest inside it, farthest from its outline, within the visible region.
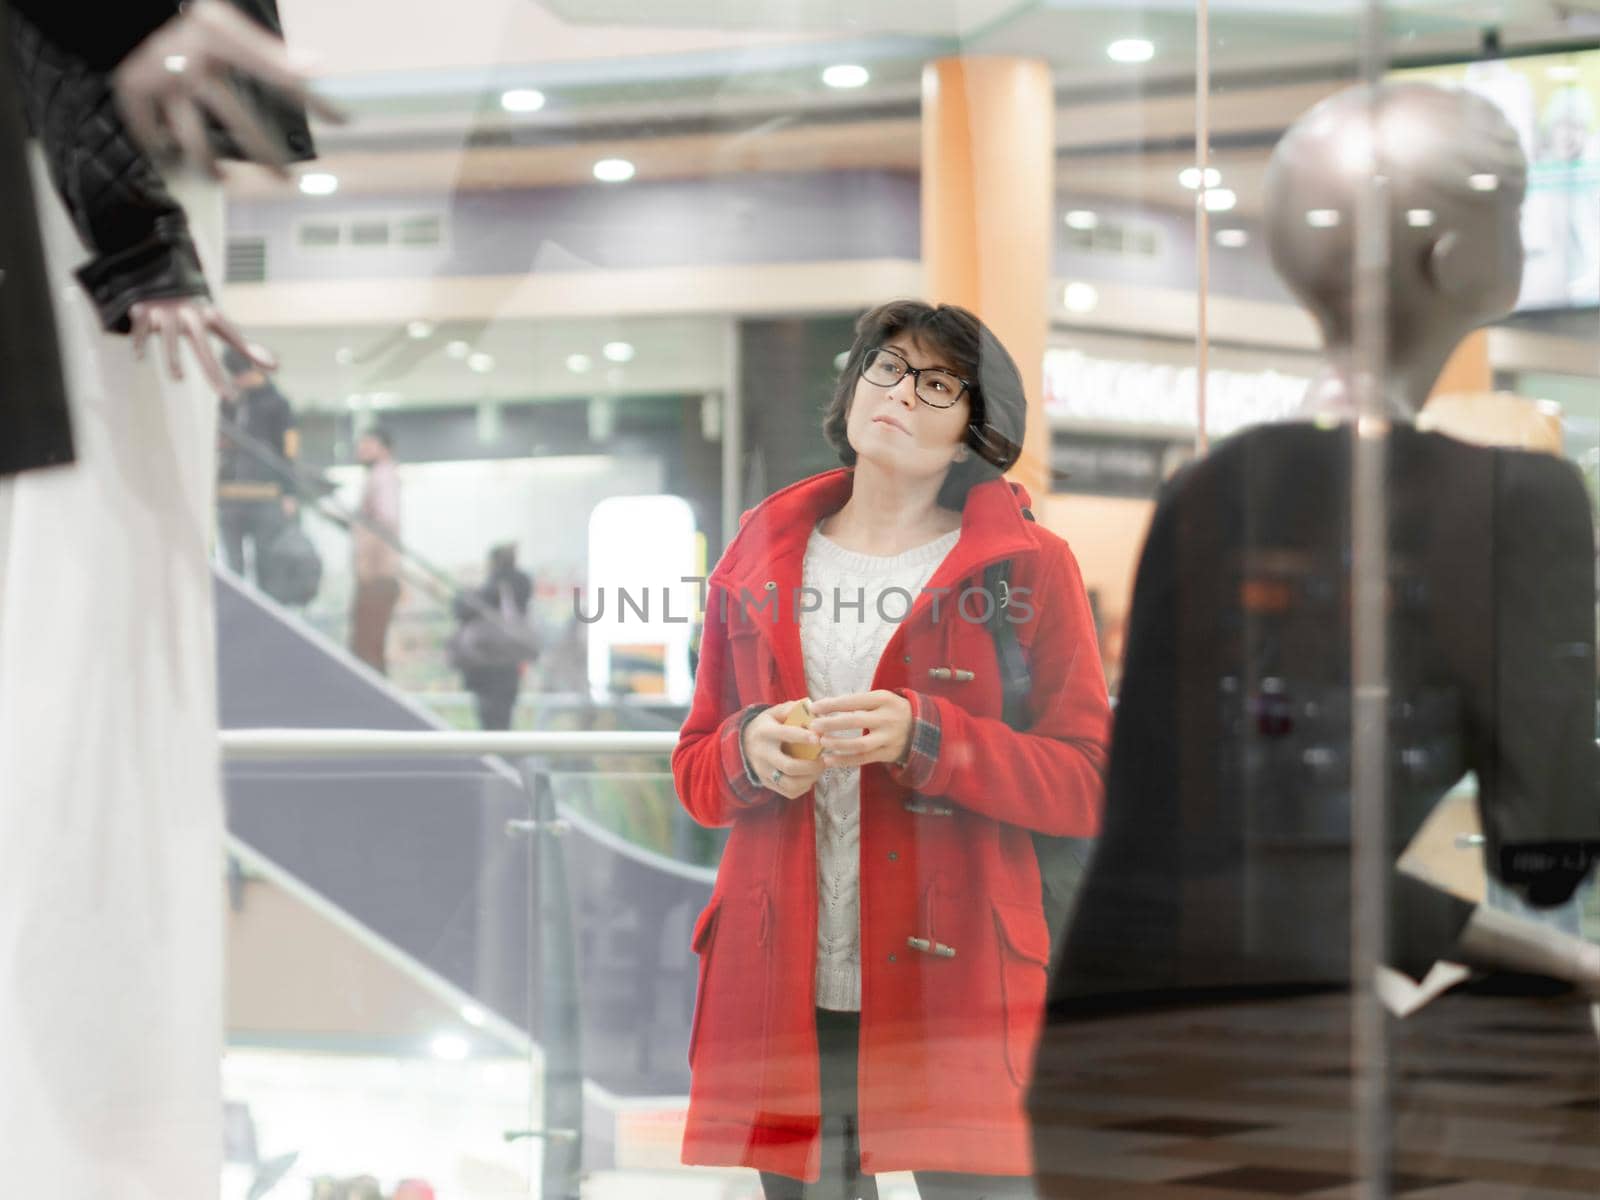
(110, 810)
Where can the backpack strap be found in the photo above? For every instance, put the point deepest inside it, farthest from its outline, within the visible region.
(1016, 680)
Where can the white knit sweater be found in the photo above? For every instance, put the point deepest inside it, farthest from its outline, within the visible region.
(842, 644)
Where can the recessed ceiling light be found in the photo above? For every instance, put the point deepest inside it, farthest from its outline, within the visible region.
(613, 170)
(344, 356)
(1323, 218)
(1232, 239)
(319, 183)
(1080, 297)
(618, 352)
(579, 364)
(450, 1047)
(458, 350)
(1082, 218)
(1420, 218)
(481, 363)
(1220, 199)
(419, 330)
(846, 75)
(1483, 183)
(522, 100)
(1131, 50)
(1190, 178)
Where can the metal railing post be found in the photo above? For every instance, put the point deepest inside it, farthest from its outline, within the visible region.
(554, 973)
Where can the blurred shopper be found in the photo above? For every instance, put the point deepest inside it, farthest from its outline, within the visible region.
(110, 914)
(255, 479)
(493, 642)
(375, 543)
(873, 958)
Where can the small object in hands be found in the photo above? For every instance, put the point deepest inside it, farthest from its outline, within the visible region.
(777, 775)
(800, 717)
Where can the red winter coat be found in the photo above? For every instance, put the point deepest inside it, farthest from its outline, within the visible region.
(947, 1039)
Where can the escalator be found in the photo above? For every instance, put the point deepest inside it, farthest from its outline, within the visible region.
(422, 853)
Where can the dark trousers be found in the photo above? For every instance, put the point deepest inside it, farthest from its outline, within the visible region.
(258, 520)
(838, 1047)
(370, 613)
(495, 691)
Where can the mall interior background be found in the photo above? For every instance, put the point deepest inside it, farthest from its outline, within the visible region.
(571, 251)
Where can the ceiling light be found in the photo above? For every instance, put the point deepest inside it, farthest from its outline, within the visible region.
(579, 364)
(319, 183)
(1232, 239)
(458, 350)
(481, 363)
(1082, 218)
(473, 1015)
(450, 1047)
(618, 352)
(1080, 297)
(846, 75)
(1483, 183)
(522, 100)
(344, 356)
(1220, 199)
(1323, 218)
(613, 170)
(419, 330)
(1190, 178)
(1420, 218)
(1131, 50)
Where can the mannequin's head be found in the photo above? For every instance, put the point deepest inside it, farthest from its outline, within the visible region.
(1454, 176)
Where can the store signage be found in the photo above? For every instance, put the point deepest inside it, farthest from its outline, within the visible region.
(1084, 388)
(1088, 464)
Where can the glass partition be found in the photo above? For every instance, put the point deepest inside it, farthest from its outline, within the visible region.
(570, 261)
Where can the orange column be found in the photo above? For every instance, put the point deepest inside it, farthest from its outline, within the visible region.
(988, 200)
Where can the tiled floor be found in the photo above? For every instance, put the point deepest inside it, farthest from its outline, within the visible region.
(1495, 1099)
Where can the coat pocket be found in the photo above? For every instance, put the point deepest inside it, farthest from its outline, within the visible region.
(1024, 976)
(728, 1038)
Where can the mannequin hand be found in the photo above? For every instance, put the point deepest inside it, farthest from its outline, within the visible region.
(194, 321)
(883, 717)
(180, 74)
(764, 739)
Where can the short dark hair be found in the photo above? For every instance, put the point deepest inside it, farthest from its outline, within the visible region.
(998, 399)
(237, 363)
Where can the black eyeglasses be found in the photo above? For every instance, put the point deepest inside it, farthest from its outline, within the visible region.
(935, 387)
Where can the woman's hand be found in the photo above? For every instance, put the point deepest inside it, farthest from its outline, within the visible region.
(196, 321)
(764, 739)
(180, 75)
(883, 717)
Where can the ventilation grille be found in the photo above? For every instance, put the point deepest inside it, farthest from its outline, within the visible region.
(246, 260)
(1127, 239)
(391, 231)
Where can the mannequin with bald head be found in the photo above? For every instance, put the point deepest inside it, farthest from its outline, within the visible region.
(1223, 869)
(1452, 177)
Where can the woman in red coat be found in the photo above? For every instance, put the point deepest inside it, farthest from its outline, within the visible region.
(873, 958)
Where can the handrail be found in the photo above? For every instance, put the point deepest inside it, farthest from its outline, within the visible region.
(257, 745)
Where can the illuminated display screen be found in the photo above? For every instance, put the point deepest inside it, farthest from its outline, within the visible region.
(1553, 102)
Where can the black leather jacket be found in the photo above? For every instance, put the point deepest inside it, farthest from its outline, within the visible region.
(137, 233)
(34, 430)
